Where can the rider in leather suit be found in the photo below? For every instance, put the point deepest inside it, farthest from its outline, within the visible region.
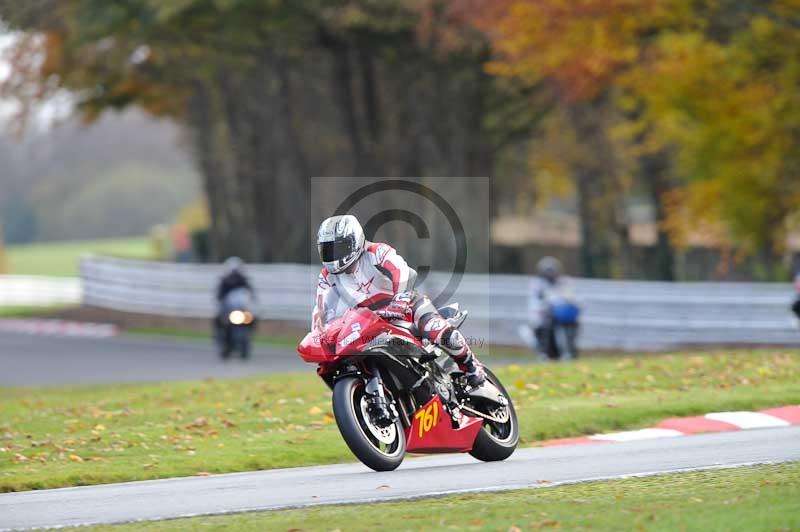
(358, 273)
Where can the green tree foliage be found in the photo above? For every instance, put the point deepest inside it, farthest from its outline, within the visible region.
(707, 93)
(575, 51)
(19, 220)
(116, 178)
(731, 111)
(274, 92)
(126, 200)
(691, 104)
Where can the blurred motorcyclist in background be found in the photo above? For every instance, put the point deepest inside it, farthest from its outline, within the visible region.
(233, 279)
(357, 273)
(554, 312)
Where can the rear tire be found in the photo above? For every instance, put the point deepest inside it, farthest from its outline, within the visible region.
(347, 397)
(491, 443)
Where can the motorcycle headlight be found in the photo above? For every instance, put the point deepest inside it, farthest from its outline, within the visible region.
(237, 317)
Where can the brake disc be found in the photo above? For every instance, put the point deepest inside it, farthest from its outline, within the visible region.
(385, 435)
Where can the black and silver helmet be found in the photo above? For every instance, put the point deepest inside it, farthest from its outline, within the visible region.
(232, 264)
(549, 268)
(340, 240)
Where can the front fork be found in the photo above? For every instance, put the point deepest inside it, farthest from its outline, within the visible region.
(382, 410)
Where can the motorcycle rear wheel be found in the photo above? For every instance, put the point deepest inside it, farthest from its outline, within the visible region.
(359, 432)
(495, 441)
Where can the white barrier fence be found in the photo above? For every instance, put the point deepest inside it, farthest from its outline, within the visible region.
(615, 314)
(31, 290)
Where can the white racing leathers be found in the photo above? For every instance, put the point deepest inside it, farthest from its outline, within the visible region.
(376, 277)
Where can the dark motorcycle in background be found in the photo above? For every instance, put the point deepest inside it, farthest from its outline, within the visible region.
(394, 392)
(235, 323)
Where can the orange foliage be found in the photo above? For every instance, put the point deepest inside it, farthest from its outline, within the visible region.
(576, 45)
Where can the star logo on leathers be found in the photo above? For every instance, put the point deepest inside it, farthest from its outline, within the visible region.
(364, 288)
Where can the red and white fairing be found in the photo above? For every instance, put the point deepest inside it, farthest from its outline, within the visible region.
(433, 429)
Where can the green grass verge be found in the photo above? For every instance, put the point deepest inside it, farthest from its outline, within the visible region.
(61, 258)
(90, 435)
(30, 312)
(752, 498)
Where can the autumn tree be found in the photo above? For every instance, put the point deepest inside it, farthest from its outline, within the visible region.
(702, 95)
(271, 93)
(576, 51)
(180, 60)
(725, 100)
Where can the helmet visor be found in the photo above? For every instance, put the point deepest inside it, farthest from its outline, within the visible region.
(337, 249)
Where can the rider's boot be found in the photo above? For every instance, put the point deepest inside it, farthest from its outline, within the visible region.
(473, 369)
(457, 347)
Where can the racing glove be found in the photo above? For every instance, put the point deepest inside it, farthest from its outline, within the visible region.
(400, 308)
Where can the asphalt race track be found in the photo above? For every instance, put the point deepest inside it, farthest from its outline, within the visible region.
(48, 360)
(283, 488)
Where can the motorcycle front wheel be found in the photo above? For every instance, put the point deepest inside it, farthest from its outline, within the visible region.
(240, 338)
(381, 449)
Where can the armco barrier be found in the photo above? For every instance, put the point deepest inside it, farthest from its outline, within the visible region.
(616, 314)
(32, 290)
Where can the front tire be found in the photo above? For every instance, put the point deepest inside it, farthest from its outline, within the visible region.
(497, 441)
(358, 431)
(241, 340)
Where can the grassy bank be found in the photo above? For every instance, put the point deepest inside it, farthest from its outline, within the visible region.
(61, 258)
(31, 312)
(75, 436)
(754, 498)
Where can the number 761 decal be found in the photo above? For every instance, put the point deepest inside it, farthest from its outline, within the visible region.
(428, 418)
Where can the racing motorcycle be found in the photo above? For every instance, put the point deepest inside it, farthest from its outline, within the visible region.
(376, 366)
(235, 323)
